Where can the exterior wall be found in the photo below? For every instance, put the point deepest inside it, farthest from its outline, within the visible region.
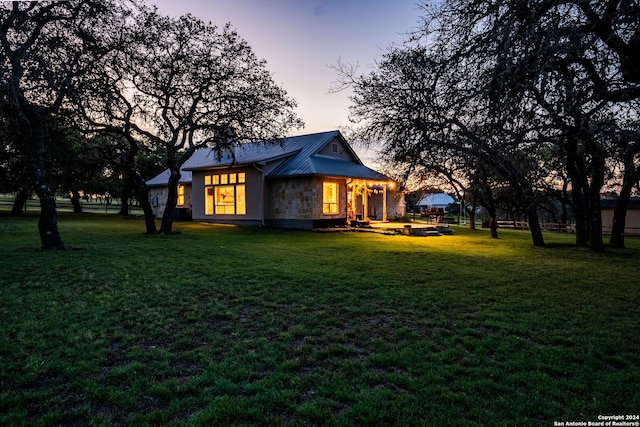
(253, 195)
(396, 207)
(320, 219)
(288, 202)
(158, 199)
(197, 187)
(291, 199)
(632, 222)
(375, 207)
(297, 203)
(341, 151)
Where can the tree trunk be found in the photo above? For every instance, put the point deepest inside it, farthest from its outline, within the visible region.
(493, 223)
(579, 212)
(565, 200)
(579, 192)
(534, 227)
(596, 242)
(493, 226)
(75, 202)
(142, 194)
(33, 135)
(20, 202)
(489, 204)
(48, 222)
(631, 176)
(166, 226)
(126, 197)
(472, 213)
(472, 219)
(619, 222)
(124, 206)
(138, 183)
(149, 217)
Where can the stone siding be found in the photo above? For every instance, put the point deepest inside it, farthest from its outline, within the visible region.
(301, 199)
(292, 199)
(396, 207)
(158, 199)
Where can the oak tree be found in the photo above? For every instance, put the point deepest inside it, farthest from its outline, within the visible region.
(47, 47)
(184, 84)
(508, 82)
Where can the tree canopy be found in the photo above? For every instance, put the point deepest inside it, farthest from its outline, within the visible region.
(141, 80)
(47, 49)
(182, 84)
(521, 92)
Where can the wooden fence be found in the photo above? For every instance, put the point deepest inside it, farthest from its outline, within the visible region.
(559, 227)
(64, 205)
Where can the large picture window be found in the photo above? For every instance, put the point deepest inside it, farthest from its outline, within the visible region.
(225, 194)
(329, 198)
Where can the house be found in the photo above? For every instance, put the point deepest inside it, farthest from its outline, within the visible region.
(159, 191)
(632, 220)
(435, 200)
(308, 181)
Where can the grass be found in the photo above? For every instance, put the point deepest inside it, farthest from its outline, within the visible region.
(249, 326)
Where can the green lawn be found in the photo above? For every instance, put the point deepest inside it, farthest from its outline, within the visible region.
(246, 326)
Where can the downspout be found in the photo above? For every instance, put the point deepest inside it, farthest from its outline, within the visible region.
(255, 165)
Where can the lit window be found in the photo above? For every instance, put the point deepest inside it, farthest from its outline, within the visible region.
(225, 195)
(241, 207)
(329, 197)
(180, 195)
(208, 201)
(225, 200)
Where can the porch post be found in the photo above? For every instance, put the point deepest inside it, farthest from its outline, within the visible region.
(384, 202)
(365, 203)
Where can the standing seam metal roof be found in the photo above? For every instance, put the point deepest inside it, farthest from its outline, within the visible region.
(162, 178)
(301, 158)
(304, 145)
(300, 154)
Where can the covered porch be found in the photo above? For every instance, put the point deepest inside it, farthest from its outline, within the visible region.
(367, 200)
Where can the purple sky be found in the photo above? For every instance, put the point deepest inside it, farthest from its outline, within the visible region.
(300, 38)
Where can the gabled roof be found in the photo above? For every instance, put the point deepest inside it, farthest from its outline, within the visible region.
(299, 154)
(436, 199)
(162, 178)
(324, 165)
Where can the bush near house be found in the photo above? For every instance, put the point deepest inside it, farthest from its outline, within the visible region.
(230, 325)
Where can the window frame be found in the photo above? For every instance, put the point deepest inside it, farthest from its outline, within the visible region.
(330, 198)
(234, 185)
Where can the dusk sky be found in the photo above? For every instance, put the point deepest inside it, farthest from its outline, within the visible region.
(299, 39)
